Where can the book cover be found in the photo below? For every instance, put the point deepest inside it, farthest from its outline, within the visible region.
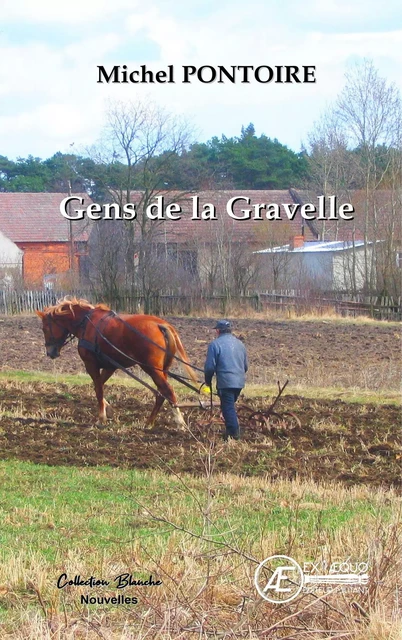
(200, 320)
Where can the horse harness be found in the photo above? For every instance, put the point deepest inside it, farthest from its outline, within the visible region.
(104, 361)
(65, 338)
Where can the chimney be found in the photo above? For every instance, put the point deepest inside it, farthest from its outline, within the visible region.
(296, 242)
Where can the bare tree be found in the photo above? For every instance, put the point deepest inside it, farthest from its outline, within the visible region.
(275, 270)
(226, 261)
(106, 250)
(389, 270)
(137, 148)
(332, 168)
(357, 147)
(245, 267)
(369, 109)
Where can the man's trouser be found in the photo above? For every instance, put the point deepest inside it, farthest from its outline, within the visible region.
(228, 398)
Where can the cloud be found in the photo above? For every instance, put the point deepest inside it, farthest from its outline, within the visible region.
(52, 126)
(346, 16)
(51, 96)
(72, 12)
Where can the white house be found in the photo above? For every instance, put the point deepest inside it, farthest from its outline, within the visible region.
(337, 265)
(10, 262)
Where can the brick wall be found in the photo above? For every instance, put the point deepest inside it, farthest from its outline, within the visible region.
(42, 258)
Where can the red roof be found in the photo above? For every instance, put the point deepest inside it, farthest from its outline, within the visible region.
(36, 217)
(254, 231)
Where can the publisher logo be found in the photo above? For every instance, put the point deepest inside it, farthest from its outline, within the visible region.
(279, 579)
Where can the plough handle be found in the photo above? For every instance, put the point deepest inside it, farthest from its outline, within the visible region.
(281, 390)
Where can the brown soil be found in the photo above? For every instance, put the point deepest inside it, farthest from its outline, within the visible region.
(329, 440)
(336, 441)
(318, 353)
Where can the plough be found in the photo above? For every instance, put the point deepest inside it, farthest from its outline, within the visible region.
(265, 419)
(77, 320)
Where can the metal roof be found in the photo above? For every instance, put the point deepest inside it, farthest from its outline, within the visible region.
(317, 247)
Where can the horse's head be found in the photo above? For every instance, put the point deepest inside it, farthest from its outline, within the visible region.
(56, 333)
(62, 320)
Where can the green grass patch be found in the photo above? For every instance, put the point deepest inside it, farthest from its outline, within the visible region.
(102, 522)
(75, 379)
(56, 510)
(357, 395)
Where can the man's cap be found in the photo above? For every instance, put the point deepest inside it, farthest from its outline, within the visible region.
(222, 325)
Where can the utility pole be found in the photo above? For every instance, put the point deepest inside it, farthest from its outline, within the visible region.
(70, 237)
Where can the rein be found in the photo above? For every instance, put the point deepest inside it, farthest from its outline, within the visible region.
(95, 348)
(155, 343)
(58, 342)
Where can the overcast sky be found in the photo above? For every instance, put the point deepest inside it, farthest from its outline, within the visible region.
(49, 52)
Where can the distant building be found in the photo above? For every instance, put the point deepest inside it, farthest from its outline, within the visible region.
(10, 262)
(48, 242)
(337, 265)
(202, 250)
(10, 254)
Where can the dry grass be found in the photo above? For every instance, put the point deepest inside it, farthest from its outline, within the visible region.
(307, 312)
(207, 566)
(189, 536)
(376, 378)
(373, 384)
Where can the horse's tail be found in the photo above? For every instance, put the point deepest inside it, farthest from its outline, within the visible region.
(174, 344)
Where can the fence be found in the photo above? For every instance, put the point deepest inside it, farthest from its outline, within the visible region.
(13, 302)
(344, 304)
(18, 302)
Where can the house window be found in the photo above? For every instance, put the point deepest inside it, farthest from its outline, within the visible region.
(84, 269)
(166, 250)
(188, 260)
(80, 247)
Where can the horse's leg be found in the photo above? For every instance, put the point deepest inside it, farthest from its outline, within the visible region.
(93, 369)
(105, 375)
(178, 417)
(159, 400)
(167, 393)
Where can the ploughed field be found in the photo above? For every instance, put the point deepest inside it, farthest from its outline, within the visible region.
(320, 353)
(352, 442)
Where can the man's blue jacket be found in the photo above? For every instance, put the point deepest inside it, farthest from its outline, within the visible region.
(227, 358)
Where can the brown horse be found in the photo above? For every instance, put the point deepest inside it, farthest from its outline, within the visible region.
(126, 340)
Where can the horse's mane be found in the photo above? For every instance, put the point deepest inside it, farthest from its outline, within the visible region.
(65, 306)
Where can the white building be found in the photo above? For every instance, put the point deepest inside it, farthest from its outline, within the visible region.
(10, 262)
(338, 265)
